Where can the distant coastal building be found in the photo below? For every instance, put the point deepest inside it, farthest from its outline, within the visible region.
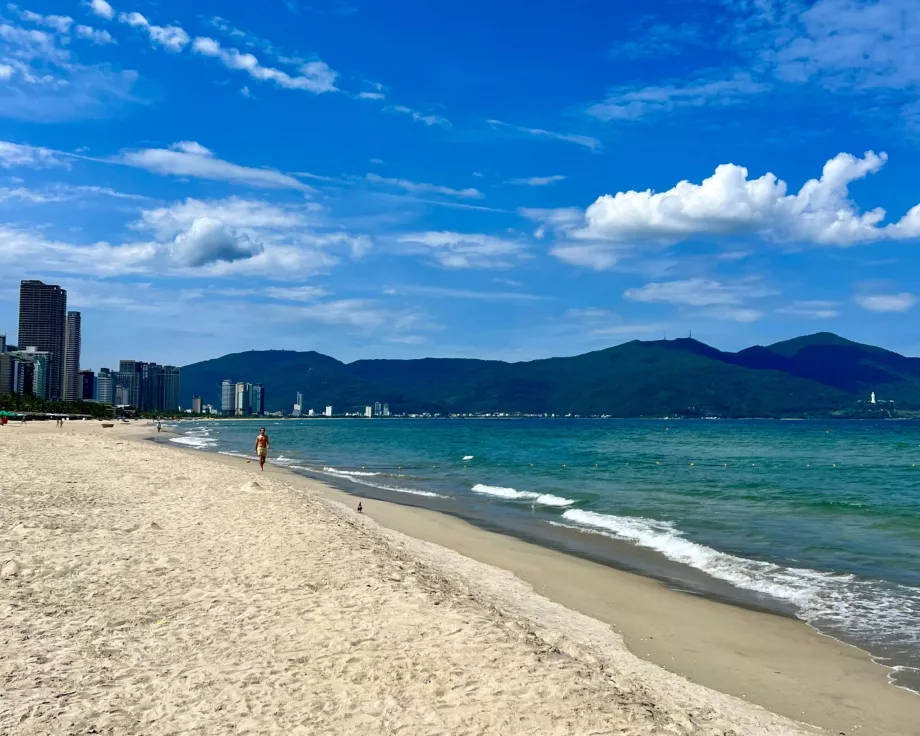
(311, 413)
(42, 321)
(73, 389)
(369, 411)
(196, 405)
(243, 405)
(386, 410)
(378, 409)
(227, 396)
(25, 372)
(87, 385)
(169, 388)
(258, 399)
(105, 386)
(2, 343)
(872, 398)
(328, 411)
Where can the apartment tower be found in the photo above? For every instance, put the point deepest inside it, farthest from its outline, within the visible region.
(42, 322)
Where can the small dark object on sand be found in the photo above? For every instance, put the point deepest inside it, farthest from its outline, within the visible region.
(360, 507)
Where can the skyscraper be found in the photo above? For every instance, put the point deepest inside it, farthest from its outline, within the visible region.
(105, 386)
(243, 403)
(2, 344)
(196, 405)
(298, 405)
(169, 385)
(227, 396)
(42, 318)
(87, 385)
(378, 409)
(72, 387)
(328, 411)
(258, 399)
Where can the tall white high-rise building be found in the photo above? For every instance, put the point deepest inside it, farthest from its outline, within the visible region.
(227, 396)
(243, 405)
(311, 413)
(872, 398)
(328, 411)
(386, 410)
(368, 411)
(105, 386)
(72, 385)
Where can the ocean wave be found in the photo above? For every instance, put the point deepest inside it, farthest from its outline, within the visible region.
(237, 454)
(199, 443)
(876, 611)
(543, 499)
(467, 457)
(349, 473)
(360, 478)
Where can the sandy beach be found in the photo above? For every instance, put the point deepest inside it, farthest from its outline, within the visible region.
(149, 590)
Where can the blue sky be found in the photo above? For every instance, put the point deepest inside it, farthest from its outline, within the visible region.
(505, 179)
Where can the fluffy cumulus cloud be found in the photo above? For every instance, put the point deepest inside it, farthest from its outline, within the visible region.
(101, 8)
(172, 38)
(94, 35)
(729, 204)
(235, 212)
(209, 240)
(902, 302)
(188, 158)
(313, 76)
(466, 250)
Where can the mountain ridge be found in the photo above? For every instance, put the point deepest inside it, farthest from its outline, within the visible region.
(815, 374)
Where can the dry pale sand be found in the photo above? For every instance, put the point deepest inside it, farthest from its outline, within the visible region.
(149, 591)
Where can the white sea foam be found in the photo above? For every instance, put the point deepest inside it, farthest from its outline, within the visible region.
(467, 457)
(237, 454)
(360, 478)
(349, 473)
(874, 611)
(198, 442)
(542, 499)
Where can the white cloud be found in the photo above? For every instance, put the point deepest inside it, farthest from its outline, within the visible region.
(314, 76)
(479, 296)
(33, 157)
(371, 96)
(94, 35)
(43, 83)
(729, 204)
(467, 250)
(209, 240)
(172, 38)
(101, 8)
(420, 187)
(628, 103)
(902, 302)
(236, 213)
(537, 181)
(699, 292)
(592, 144)
(194, 160)
(812, 309)
(428, 120)
(59, 23)
(21, 250)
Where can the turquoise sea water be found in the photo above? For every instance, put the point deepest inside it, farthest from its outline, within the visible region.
(817, 520)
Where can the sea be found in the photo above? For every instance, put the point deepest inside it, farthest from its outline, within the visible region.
(816, 520)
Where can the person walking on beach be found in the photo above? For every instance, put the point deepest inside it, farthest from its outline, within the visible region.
(262, 444)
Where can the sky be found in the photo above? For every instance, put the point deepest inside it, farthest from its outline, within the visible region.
(499, 179)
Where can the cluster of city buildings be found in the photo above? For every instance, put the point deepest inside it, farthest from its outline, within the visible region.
(239, 399)
(46, 362)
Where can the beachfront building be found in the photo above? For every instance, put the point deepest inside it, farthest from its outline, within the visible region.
(368, 411)
(328, 411)
(196, 405)
(87, 382)
(2, 343)
(168, 396)
(311, 413)
(258, 399)
(298, 405)
(105, 386)
(378, 409)
(243, 404)
(386, 410)
(42, 322)
(227, 396)
(73, 389)
(25, 372)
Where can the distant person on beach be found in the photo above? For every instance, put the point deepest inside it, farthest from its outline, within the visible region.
(262, 445)
(159, 428)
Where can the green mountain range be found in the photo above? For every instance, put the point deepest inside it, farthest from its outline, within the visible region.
(814, 375)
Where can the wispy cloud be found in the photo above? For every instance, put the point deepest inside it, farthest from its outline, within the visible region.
(172, 38)
(467, 250)
(479, 296)
(592, 144)
(422, 187)
(428, 119)
(314, 76)
(813, 309)
(902, 302)
(537, 181)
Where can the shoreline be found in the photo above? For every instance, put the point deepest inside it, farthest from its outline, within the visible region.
(766, 657)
